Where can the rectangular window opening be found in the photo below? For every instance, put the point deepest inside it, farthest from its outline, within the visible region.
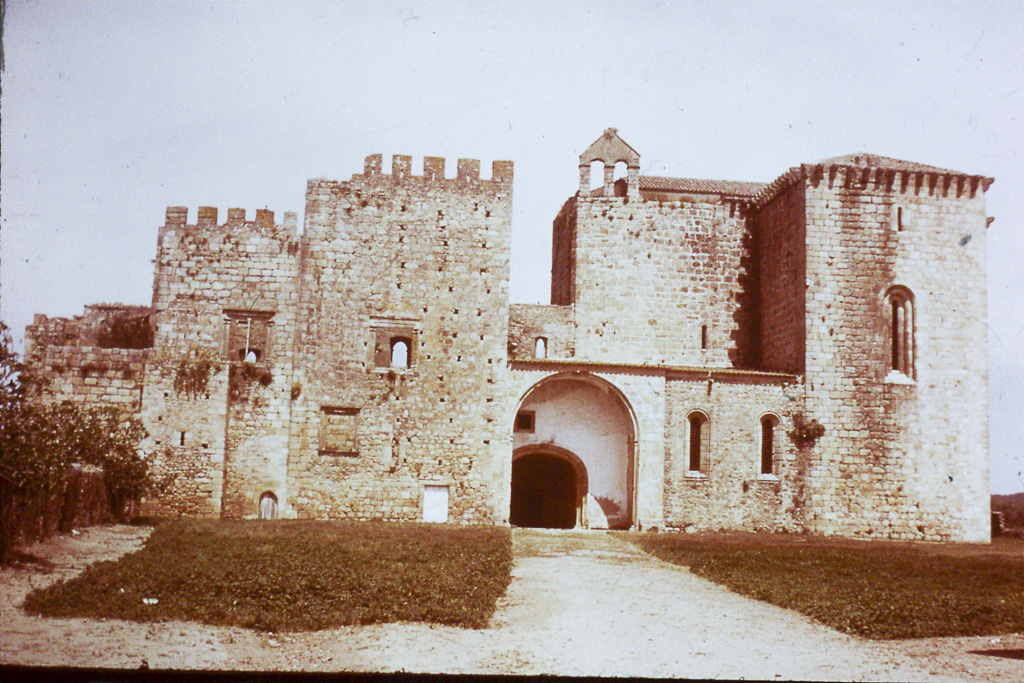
(525, 421)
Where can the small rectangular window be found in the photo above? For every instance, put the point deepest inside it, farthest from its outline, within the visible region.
(525, 421)
(248, 335)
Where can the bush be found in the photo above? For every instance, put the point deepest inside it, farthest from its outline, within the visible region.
(40, 443)
(126, 331)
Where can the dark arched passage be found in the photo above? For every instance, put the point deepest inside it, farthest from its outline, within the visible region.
(548, 490)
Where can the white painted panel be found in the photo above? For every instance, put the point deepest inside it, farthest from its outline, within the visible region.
(435, 503)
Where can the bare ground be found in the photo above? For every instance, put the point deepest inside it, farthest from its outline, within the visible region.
(580, 603)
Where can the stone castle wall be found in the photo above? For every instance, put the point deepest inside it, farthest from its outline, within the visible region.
(729, 491)
(684, 267)
(780, 227)
(374, 361)
(556, 325)
(217, 285)
(563, 255)
(93, 377)
(422, 259)
(65, 354)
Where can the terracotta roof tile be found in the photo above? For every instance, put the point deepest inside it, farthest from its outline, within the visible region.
(733, 188)
(864, 160)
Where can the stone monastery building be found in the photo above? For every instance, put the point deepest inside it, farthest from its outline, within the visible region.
(808, 354)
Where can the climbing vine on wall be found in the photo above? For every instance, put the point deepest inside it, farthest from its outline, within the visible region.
(193, 376)
(805, 432)
(242, 376)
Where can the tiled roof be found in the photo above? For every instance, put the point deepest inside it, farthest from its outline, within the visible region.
(875, 161)
(733, 188)
(862, 161)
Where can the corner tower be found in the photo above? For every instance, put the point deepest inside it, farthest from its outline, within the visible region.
(872, 274)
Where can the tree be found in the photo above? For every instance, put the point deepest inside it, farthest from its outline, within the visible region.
(39, 443)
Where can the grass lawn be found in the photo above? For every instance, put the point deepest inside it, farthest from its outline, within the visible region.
(876, 589)
(294, 576)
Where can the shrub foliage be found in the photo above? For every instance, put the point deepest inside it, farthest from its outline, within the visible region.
(126, 331)
(39, 443)
(295, 576)
(877, 589)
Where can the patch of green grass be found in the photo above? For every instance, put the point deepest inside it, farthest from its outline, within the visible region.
(294, 576)
(877, 589)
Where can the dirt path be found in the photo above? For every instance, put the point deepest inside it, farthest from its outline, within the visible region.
(580, 604)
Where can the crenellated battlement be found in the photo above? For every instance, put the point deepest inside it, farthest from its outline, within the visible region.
(206, 217)
(468, 171)
(871, 173)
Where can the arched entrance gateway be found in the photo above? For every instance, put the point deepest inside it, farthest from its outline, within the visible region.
(549, 488)
(572, 461)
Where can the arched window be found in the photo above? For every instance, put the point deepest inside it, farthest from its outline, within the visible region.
(768, 429)
(540, 349)
(899, 311)
(697, 460)
(400, 352)
(620, 178)
(268, 506)
(596, 175)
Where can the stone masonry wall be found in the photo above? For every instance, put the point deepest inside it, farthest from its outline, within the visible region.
(81, 330)
(212, 280)
(91, 376)
(903, 456)
(423, 259)
(555, 324)
(679, 265)
(563, 255)
(781, 235)
(375, 360)
(730, 493)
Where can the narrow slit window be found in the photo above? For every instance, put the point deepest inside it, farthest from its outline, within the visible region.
(698, 442)
(695, 429)
(900, 311)
(767, 445)
(703, 336)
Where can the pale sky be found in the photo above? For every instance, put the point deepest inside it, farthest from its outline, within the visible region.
(113, 111)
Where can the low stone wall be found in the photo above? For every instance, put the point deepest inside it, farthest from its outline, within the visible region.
(94, 377)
